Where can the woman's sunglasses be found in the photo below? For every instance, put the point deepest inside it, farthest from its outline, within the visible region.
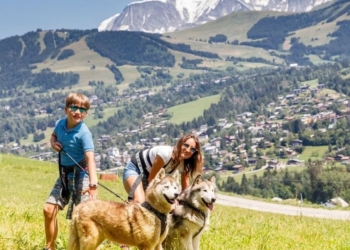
(75, 108)
(193, 150)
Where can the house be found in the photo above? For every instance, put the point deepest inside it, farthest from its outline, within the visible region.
(211, 150)
(112, 152)
(341, 158)
(321, 86)
(296, 143)
(251, 161)
(273, 164)
(220, 170)
(289, 97)
(295, 162)
(202, 136)
(238, 168)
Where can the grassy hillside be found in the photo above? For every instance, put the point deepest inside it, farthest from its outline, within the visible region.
(26, 183)
(92, 67)
(234, 26)
(81, 62)
(188, 111)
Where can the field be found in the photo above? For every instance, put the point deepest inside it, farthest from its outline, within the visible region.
(26, 183)
(188, 111)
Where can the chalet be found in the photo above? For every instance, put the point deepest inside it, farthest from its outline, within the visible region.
(289, 97)
(296, 143)
(296, 91)
(341, 158)
(343, 101)
(202, 136)
(216, 142)
(265, 158)
(238, 168)
(321, 86)
(211, 150)
(112, 152)
(295, 162)
(105, 137)
(251, 161)
(220, 170)
(273, 164)
(304, 88)
(228, 125)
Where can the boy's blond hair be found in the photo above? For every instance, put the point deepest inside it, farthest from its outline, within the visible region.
(78, 99)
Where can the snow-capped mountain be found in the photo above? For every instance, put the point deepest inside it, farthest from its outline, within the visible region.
(160, 16)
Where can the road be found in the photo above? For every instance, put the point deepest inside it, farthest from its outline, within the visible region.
(282, 209)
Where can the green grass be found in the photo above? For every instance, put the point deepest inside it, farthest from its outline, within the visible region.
(312, 83)
(313, 153)
(107, 112)
(25, 185)
(188, 111)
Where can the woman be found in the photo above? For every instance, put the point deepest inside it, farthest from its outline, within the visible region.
(186, 157)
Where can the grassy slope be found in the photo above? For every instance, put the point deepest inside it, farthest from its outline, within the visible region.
(81, 63)
(188, 111)
(21, 220)
(234, 26)
(317, 32)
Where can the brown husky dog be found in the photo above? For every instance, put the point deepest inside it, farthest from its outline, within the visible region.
(191, 217)
(141, 225)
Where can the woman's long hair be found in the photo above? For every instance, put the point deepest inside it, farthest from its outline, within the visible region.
(193, 165)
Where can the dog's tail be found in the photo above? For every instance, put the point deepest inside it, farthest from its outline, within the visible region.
(73, 242)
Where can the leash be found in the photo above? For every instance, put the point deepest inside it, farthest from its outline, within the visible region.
(86, 172)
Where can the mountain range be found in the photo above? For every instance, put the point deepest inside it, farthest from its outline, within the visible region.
(44, 60)
(162, 16)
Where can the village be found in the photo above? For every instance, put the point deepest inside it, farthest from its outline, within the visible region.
(239, 158)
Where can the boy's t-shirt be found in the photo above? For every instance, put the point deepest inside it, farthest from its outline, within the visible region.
(75, 141)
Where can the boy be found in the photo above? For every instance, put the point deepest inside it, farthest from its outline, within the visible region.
(73, 140)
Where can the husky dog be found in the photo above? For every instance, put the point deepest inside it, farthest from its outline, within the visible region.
(142, 225)
(191, 216)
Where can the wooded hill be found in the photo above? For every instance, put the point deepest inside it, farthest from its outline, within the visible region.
(54, 60)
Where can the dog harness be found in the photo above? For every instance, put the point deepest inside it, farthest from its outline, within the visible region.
(162, 217)
(186, 204)
(66, 194)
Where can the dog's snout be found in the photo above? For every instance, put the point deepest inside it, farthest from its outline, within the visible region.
(176, 195)
(213, 200)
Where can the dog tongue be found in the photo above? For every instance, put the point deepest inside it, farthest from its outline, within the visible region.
(211, 206)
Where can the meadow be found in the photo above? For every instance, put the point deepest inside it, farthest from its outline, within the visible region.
(188, 111)
(26, 184)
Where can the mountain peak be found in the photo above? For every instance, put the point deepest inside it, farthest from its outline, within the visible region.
(161, 16)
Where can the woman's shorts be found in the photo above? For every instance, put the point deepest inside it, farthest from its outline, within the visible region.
(55, 196)
(130, 170)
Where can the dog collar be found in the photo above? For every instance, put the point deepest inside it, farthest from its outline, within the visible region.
(162, 217)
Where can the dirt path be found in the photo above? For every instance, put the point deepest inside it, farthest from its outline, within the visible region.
(283, 209)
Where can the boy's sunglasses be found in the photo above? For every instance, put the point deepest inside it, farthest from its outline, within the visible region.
(193, 150)
(75, 108)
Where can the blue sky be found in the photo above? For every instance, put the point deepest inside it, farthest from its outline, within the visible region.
(18, 17)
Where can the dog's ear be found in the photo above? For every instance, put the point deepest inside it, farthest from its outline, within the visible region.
(213, 179)
(160, 175)
(176, 175)
(197, 180)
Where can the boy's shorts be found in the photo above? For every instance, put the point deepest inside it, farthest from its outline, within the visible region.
(55, 195)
